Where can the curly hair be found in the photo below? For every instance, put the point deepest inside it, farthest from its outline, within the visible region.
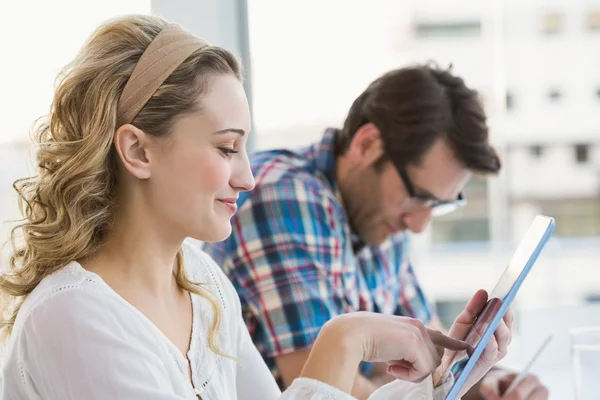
(68, 205)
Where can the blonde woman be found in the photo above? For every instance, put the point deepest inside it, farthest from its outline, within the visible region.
(104, 297)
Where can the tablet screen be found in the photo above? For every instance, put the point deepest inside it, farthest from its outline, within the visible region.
(502, 296)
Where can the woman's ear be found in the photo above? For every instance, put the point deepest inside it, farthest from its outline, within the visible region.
(366, 147)
(132, 145)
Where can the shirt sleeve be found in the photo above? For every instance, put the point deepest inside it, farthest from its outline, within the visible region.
(310, 389)
(424, 390)
(253, 375)
(287, 264)
(74, 345)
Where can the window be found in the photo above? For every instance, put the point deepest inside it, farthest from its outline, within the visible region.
(592, 298)
(510, 101)
(582, 153)
(551, 23)
(468, 224)
(554, 95)
(477, 187)
(447, 29)
(575, 218)
(448, 310)
(594, 20)
(578, 225)
(460, 230)
(536, 150)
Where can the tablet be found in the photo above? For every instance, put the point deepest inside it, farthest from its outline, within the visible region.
(502, 296)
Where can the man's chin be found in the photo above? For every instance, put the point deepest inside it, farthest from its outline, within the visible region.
(376, 240)
(379, 239)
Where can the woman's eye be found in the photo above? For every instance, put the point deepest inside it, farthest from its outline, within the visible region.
(227, 151)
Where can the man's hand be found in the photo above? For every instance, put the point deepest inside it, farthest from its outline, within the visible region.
(463, 327)
(495, 383)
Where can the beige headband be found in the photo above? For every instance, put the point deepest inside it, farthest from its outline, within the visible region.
(164, 54)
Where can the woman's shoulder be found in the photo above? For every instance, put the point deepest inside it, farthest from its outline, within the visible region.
(69, 281)
(70, 297)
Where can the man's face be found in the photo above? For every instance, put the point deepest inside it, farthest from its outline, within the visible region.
(378, 203)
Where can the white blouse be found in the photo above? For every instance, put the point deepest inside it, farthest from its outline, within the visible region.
(75, 338)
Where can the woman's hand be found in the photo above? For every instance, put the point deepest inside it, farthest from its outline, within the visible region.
(412, 351)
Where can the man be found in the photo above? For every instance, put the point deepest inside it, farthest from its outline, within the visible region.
(325, 231)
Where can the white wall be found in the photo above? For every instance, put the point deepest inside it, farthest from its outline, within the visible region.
(311, 58)
(37, 39)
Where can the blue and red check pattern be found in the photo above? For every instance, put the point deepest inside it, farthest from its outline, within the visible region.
(292, 256)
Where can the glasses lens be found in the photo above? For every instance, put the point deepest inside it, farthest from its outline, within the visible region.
(437, 208)
(443, 209)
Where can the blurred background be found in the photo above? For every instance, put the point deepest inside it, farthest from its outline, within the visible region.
(535, 63)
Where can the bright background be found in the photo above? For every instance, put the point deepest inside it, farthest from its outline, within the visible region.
(535, 62)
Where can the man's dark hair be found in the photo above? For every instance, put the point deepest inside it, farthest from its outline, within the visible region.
(415, 106)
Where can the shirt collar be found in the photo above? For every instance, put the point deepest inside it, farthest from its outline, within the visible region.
(325, 157)
(325, 162)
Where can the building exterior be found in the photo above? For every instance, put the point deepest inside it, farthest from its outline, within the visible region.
(534, 65)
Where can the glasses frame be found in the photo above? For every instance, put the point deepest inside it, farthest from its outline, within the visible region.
(438, 207)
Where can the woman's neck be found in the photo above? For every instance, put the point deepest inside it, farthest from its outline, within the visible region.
(138, 254)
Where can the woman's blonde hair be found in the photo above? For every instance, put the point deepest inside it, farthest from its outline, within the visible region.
(68, 206)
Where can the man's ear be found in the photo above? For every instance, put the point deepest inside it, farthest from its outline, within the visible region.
(366, 147)
(132, 145)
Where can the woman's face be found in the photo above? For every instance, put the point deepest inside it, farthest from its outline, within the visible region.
(194, 176)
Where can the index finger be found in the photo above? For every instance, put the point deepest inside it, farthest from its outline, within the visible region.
(447, 342)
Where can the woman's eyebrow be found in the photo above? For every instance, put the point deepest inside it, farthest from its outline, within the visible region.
(240, 132)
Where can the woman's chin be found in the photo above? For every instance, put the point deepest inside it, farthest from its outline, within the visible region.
(218, 233)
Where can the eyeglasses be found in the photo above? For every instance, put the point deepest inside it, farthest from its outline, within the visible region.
(438, 207)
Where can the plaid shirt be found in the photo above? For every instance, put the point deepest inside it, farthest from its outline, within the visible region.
(292, 255)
